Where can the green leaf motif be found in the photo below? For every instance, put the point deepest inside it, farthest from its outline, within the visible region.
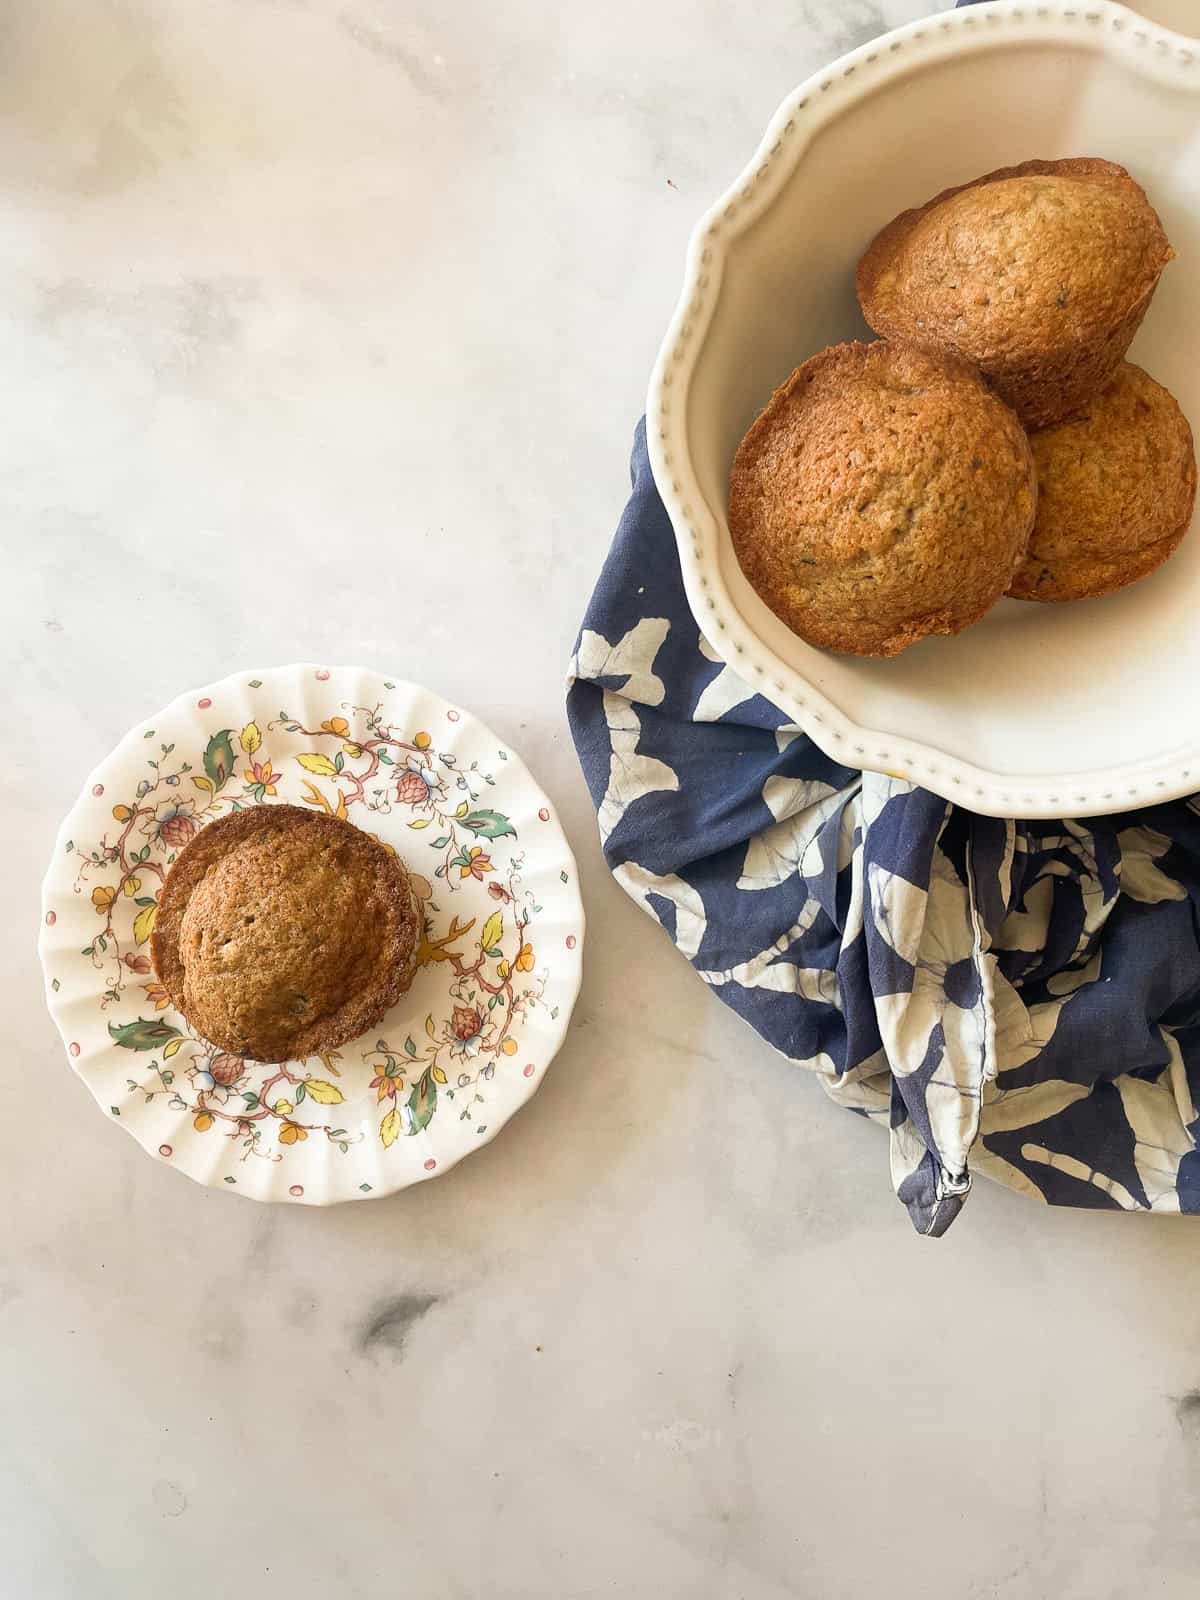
(422, 1103)
(147, 1033)
(489, 825)
(440, 844)
(218, 758)
(409, 1046)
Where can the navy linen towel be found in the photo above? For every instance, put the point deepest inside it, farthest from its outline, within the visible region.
(1018, 999)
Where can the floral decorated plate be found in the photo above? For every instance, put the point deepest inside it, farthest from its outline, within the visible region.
(500, 959)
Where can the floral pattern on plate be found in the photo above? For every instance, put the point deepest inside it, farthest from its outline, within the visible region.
(498, 965)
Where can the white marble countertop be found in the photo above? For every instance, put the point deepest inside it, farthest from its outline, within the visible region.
(325, 326)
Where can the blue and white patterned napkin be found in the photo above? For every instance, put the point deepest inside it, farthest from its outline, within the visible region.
(1019, 999)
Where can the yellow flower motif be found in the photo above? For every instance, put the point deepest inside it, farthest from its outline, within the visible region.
(337, 725)
(122, 813)
(132, 885)
(422, 741)
(509, 1047)
(157, 996)
(291, 1133)
(281, 1108)
(102, 897)
(525, 959)
(353, 751)
(202, 1123)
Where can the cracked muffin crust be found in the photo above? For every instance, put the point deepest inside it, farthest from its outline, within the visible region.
(1116, 487)
(1039, 274)
(282, 934)
(883, 494)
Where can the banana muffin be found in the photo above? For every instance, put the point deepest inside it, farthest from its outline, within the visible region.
(1038, 274)
(1116, 486)
(883, 495)
(281, 934)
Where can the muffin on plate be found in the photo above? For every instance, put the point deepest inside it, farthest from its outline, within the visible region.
(1116, 486)
(1038, 274)
(883, 495)
(281, 934)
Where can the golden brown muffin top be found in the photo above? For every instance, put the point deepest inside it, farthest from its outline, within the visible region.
(884, 494)
(1116, 486)
(281, 934)
(1034, 258)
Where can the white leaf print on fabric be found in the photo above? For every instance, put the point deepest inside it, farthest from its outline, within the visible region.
(1141, 878)
(877, 789)
(865, 1087)
(990, 1165)
(1011, 1109)
(933, 931)
(631, 657)
(1071, 979)
(801, 808)
(1161, 1138)
(1177, 1075)
(1026, 930)
(630, 775)
(725, 691)
(767, 971)
(691, 919)
(1023, 1032)
(1075, 1168)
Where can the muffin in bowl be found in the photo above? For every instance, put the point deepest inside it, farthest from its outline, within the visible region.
(1116, 488)
(883, 495)
(282, 934)
(1039, 274)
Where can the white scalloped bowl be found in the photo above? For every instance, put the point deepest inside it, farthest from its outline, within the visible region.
(1038, 711)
